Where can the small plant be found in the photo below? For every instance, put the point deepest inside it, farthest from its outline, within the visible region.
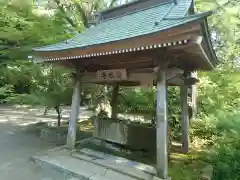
(102, 114)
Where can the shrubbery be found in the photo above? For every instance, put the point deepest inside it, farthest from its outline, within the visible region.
(226, 157)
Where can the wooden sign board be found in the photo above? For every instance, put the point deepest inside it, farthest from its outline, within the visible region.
(112, 75)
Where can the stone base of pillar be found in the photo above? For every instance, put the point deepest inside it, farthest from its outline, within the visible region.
(157, 178)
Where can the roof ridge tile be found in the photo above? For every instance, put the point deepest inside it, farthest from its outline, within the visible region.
(208, 13)
(139, 10)
(181, 8)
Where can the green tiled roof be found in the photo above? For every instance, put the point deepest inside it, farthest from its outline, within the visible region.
(134, 24)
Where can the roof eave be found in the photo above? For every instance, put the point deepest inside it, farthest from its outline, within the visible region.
(206, 58)
(207, 36)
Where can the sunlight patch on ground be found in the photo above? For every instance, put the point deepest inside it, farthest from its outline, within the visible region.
(10, 132)
(26, 123)
(11, 111)
(3, 120)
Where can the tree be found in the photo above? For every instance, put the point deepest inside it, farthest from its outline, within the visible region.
(23, 28)
(22, 81)
(79, 13)
(27, 26)
(225, 27)
(52, 88)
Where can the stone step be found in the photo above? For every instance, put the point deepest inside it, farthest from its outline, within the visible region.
(52, 172)
(119, 160)
(130, 168)
(61, 160)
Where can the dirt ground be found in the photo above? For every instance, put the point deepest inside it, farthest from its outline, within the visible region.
(18, 142)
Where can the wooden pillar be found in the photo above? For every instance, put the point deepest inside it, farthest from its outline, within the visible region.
(72, 127)
(114, 102)
(194, 94)
(161, 127)
(184, 118)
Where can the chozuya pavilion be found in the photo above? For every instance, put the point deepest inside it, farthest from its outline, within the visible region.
(142, 43)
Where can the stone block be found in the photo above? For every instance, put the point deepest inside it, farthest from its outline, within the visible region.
(93, 153)
(108, 164)
(157, 178)
(82, 156)
(120, 161)
(53, 135)
(64, 162)
(99, 177)
(137, 173)
(118, 176)
(93, 168)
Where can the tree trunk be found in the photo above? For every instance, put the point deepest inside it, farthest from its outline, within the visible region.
(59, 120)
(57, 108)
(45, 110)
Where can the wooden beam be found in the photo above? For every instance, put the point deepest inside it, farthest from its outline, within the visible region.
(130, 65)
(135, 78)
(72, 127)
(114, 102)
(185, 118)
(161, 127)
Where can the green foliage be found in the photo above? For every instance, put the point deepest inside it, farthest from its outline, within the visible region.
(24, 28)
(219, 91)
(219, 99)
(225, 27)
(51, 86)
(226, 158)
(79, 13)
(137, 100)
(143, 101)
(5, 91)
